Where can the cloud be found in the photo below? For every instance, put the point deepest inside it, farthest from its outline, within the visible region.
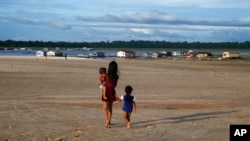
(232, 35)
(96, 20)
(199, 3)
(163, 19)
(58, 25)
(54, 24)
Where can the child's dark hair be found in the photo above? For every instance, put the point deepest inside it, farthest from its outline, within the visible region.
(102, 70)
(128, 90)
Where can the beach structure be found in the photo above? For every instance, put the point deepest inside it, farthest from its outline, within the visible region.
(162, 54)
(204, 55)
(201, 54)
(147, 54)
(126, 54)
(51, 53)
(230, 55)
(39, 53)
(179, 53)
(58, 53)
(191, 54)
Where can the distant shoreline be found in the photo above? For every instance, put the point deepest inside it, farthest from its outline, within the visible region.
(177, 58)
(44, 58)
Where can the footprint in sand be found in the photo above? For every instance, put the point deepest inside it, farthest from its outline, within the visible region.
(77, 133)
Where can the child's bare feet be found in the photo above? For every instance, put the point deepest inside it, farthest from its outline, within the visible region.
(128, 125)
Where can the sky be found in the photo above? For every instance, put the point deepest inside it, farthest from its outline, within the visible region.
(115, 20)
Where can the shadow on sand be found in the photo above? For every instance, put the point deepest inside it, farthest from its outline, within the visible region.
(180, 119)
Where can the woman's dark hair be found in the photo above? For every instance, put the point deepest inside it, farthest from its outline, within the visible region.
(113, 71)
(128, 90)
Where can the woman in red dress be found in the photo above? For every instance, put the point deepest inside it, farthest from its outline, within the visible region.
(111, 82)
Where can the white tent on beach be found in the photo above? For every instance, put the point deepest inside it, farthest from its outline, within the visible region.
(39, 53)
(51, 53)
(126, 53)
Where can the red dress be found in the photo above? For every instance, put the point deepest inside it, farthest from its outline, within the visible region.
(110, 90)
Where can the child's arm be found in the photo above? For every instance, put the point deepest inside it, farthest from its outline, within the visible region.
(99, 80)
(118, 99)
(134, 105)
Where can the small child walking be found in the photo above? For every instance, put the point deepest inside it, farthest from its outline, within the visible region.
(101, 81)
(128, 105)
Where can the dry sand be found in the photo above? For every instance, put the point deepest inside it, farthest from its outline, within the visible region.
(58, 100)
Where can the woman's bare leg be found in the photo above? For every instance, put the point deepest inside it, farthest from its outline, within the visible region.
(110, 110)
(106, 112)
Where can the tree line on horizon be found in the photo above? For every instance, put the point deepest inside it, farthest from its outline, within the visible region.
(125, 44)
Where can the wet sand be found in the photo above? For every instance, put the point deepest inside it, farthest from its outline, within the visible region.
(177, 100)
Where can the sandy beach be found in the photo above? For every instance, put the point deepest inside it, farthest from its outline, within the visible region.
(177, 100)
